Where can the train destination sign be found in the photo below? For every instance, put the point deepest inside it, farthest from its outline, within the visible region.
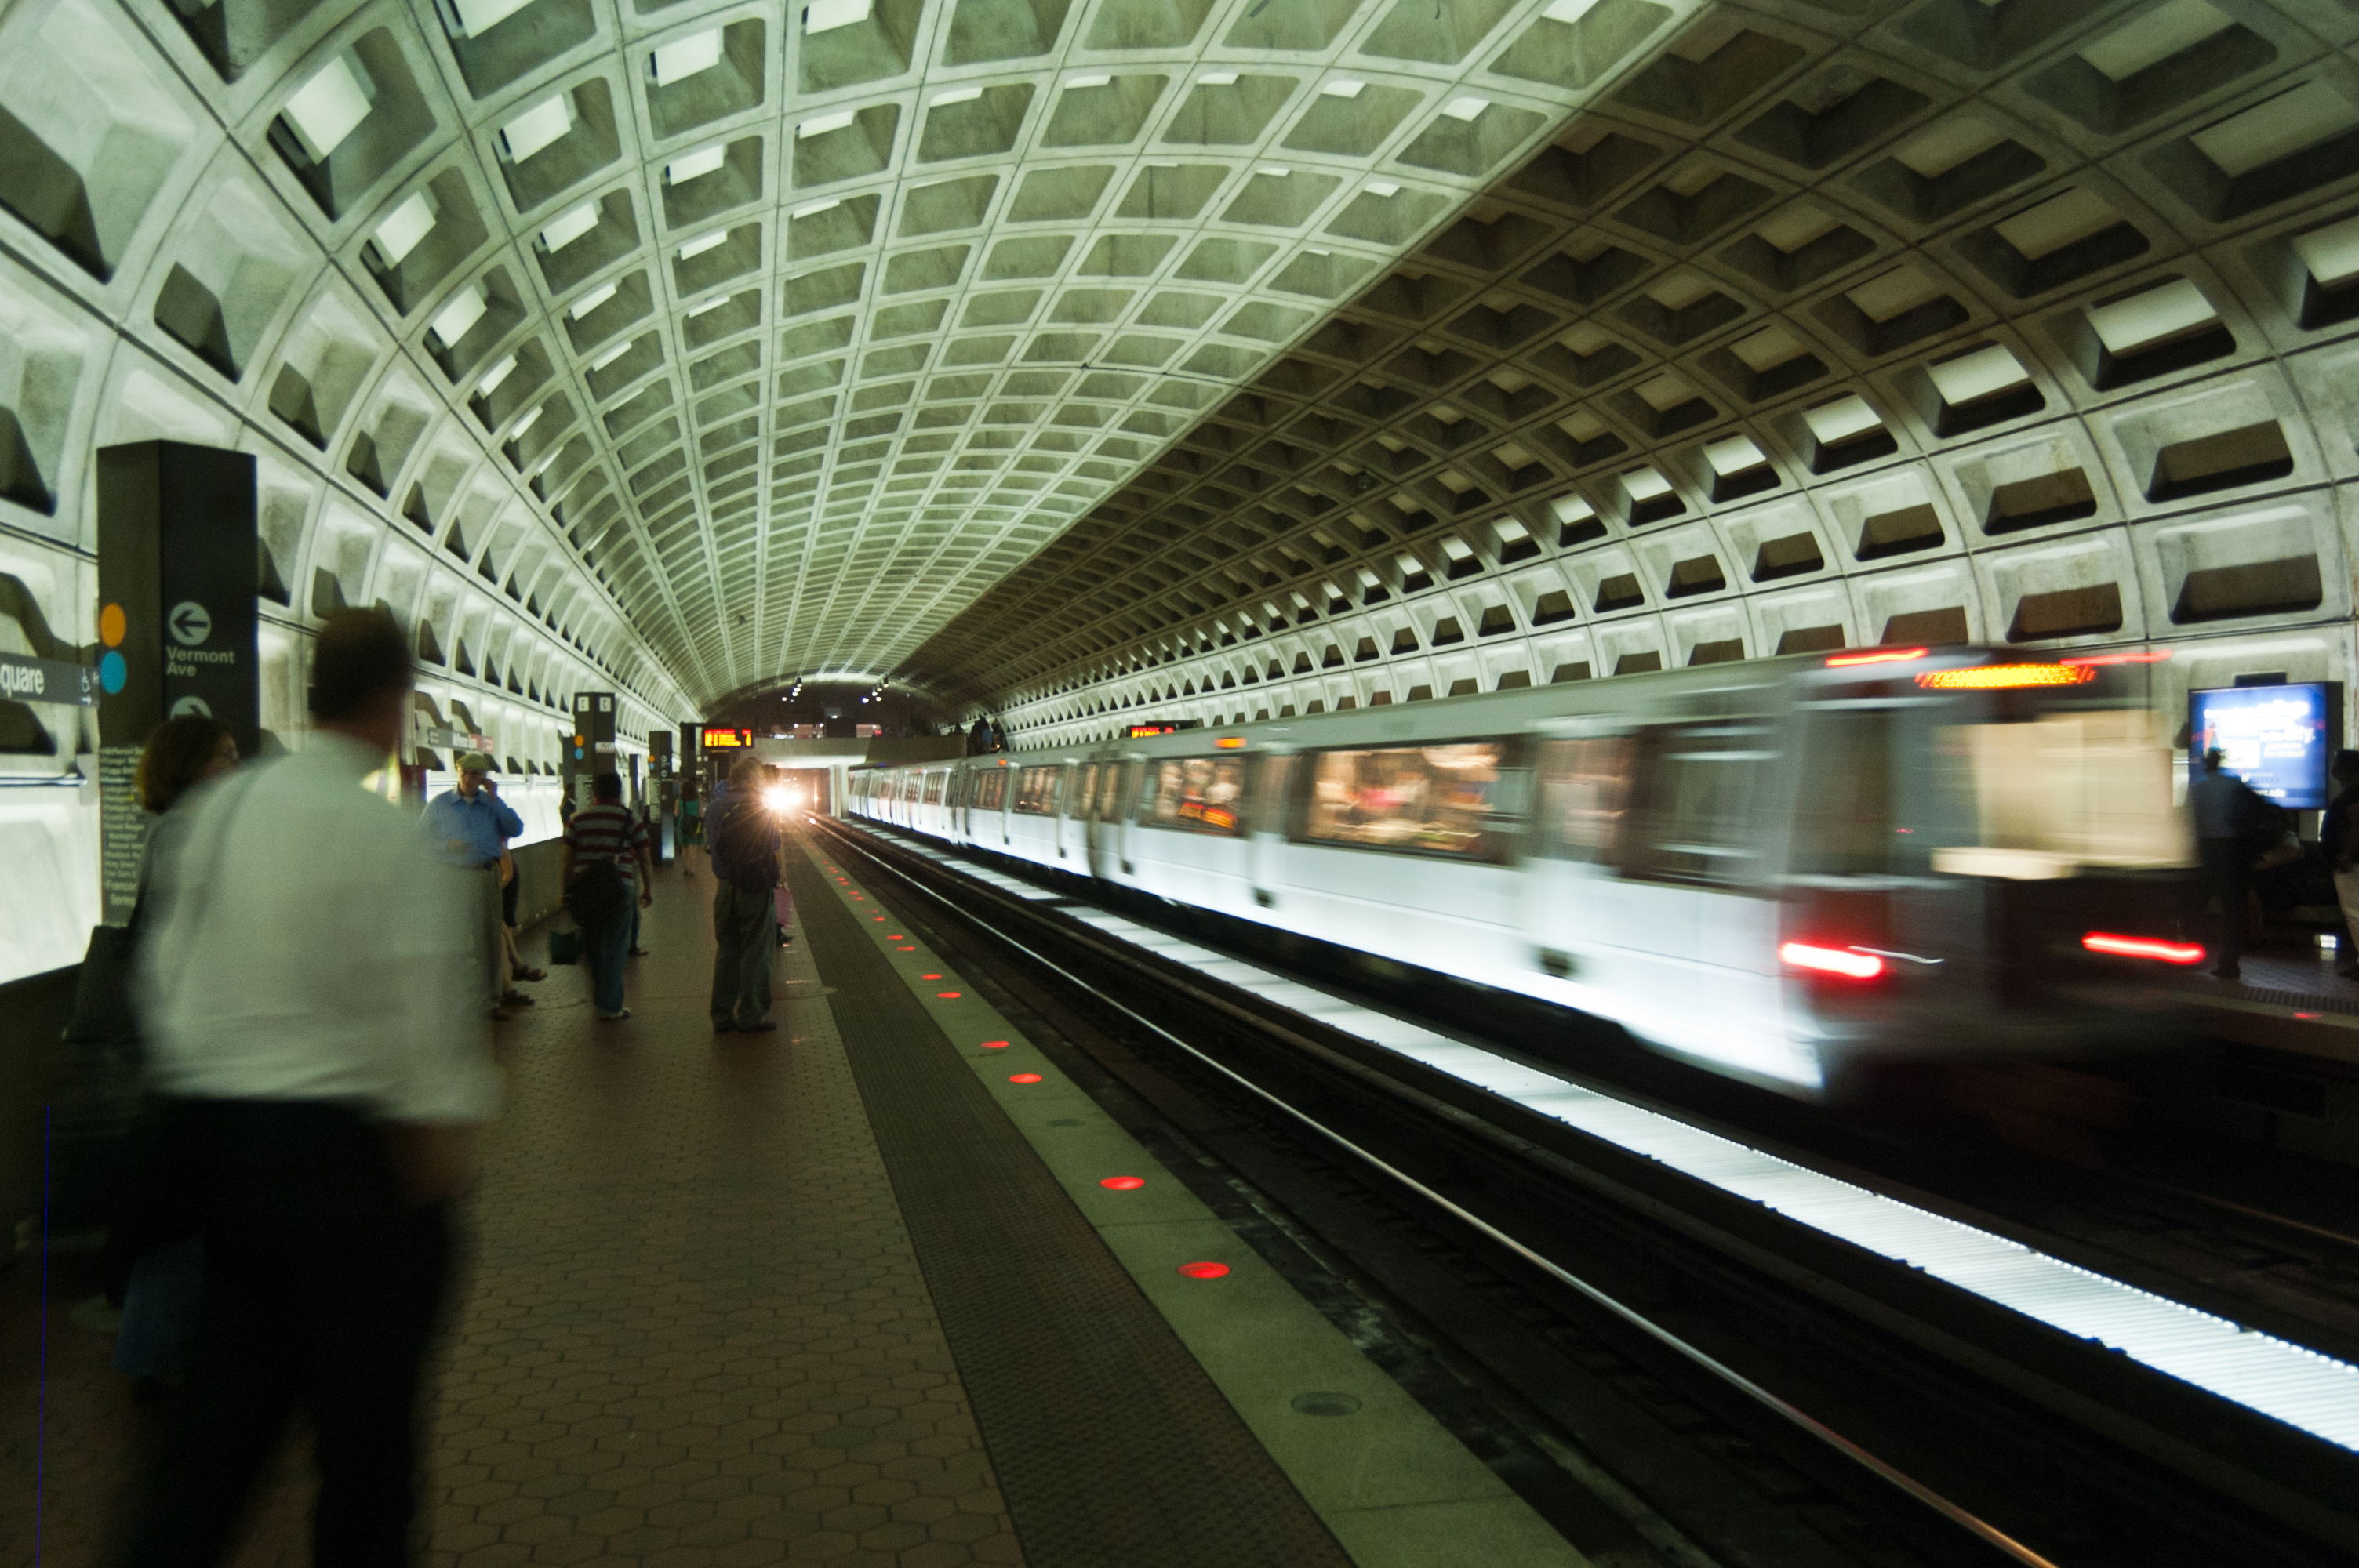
(716, 739)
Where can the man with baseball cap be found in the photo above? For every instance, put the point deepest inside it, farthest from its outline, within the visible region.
(472, 825)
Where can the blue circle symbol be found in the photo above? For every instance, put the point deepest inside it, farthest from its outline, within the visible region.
(113, 674)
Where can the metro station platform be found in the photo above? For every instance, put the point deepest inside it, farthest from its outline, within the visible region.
(879, 1288)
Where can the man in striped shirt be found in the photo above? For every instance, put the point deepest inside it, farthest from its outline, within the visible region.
(606, 844)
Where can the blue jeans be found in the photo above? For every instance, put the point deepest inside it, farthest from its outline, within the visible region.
(605, 946)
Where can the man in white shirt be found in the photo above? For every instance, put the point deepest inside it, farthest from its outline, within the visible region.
(321, 1061)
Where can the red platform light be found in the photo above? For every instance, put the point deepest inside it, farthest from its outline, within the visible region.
(896, 937)
(1124, 1184)
(929, 977)
(1844, 962)
(949, 996)
(994, 1044)
(1202, 1271)
(2153, 948)
(1024, 1078)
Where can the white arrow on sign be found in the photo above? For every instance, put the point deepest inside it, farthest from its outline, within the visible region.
(190, 623)
(189, 705)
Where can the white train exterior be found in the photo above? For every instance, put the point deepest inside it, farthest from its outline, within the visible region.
(1778, 869)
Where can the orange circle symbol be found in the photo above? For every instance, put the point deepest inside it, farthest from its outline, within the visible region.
(112, 625)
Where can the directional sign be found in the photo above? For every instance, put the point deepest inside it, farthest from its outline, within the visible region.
(190, 623)
(25, 679)
(192, 705)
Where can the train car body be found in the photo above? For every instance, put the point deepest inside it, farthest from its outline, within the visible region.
(1780, 868)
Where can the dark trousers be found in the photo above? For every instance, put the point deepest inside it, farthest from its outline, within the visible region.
(746, 933)
(604, 947)
(323, 1289)
(2224, 876)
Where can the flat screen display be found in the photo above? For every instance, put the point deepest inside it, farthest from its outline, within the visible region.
(2278, 739)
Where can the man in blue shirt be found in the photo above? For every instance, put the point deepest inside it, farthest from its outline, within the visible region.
(472, 825)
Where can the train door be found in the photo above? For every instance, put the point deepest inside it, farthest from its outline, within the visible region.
(1074, 814)
(1266, 805)
(1646, 892)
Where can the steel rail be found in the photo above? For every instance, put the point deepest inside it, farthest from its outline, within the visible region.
(1956, 1513)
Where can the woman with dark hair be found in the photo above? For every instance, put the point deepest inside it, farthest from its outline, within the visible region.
(182, 753)
(159, 1301)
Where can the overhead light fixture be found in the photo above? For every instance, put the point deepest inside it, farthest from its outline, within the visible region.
(826, 15)
(592, 300)
(695, 165)
(403, 228)
(539, 127)
(473, 18)
(329, 107)
(568, 226)
(684, 57)
(466, 308)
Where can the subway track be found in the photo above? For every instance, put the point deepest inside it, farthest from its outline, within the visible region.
(1671, 1378)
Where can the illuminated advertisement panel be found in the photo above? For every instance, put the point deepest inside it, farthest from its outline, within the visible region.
(2278, 739)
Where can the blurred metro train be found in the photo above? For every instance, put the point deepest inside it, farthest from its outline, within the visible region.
(1784, 869)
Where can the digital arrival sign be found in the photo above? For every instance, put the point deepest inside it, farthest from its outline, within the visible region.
(2278, 739)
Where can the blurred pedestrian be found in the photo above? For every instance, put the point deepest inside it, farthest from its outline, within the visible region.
(741, 840)
(607, 871)
(166, 1281)
(692, 831)
(473, 824)
(2225, 810)
(319, 1063)
(2338, 845)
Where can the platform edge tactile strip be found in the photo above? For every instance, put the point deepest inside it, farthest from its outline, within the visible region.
(1111, 1444)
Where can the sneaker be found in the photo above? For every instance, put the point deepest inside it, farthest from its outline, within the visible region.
(765, 1027)
(613, 1017)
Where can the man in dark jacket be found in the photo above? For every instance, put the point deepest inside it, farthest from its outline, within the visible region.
(2225, 808)
(741, 837)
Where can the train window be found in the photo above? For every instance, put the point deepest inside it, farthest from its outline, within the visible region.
(1202, 793)
(1035, 790)
(1585, 795)
(1110, 791)
(1846, 818)
(934, 783)
(1692, 795)
(990, 791)
(1445, 800)
(1085, 792)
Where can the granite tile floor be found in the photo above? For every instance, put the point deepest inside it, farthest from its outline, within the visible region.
(691, 1330)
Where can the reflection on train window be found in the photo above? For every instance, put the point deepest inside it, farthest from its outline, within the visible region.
(1085, 791)
(1205, 794)
(1846, 818)
(1110, 789)
(1035, 790)
(1437, 799)
(1585, 795)
(934, 783)
(990, 789)
(1690, 807)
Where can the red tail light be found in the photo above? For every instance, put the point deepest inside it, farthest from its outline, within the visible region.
(1846, 962)
(2152, 948)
